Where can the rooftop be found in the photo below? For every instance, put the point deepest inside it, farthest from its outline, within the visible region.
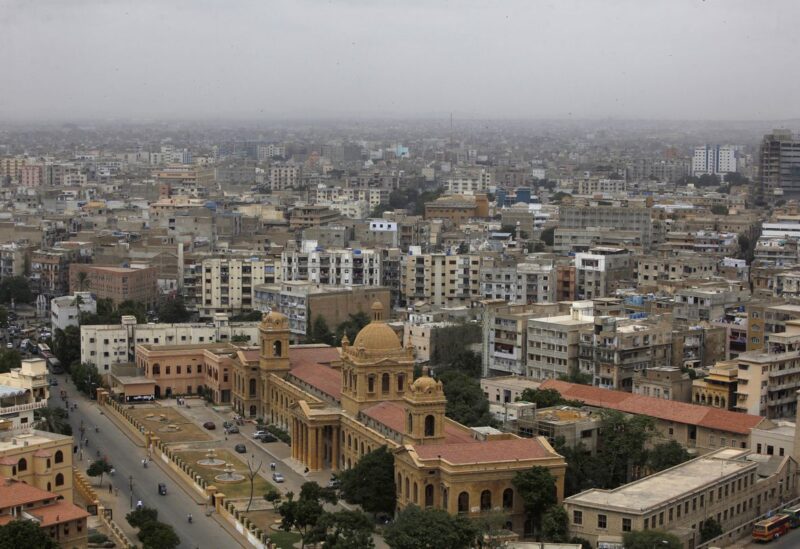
(668, 410)
(650, 492)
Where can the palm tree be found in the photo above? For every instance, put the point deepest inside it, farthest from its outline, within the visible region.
(78, 302)
(83, 281)
(53, 420)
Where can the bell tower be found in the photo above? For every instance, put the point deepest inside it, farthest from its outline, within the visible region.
(274, 338)
(425, 406)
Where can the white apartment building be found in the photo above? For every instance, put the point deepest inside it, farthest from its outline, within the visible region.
(372, 196)
(64, 310)
(271, 150)
(352, 210)
(228, 284)
(107, 344)
(593, 186)
(478, 181)
(441, 280)
(714, 159)
(337, 267)
(554, 342)
(781, 229)
(519, 284)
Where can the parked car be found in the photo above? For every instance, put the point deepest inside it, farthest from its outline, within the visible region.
(240, 448)
(267, 437)
(259, 434)
(9, 345)
(53, 382)
(226, 424)
(277, 477)
(233, 429)
(162, 489)
(209, 425)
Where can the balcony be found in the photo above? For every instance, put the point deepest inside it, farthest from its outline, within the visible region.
(27, 407)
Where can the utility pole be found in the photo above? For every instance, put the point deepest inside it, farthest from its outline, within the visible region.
(130, 485)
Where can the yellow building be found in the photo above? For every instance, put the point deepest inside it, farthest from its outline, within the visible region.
(340, 404)
(718, 388)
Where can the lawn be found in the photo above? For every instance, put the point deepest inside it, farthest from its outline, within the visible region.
(187, 431)
(284, 540)
(234, 490)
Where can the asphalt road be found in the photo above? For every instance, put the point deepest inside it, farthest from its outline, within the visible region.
(789, 541)
(125, 456)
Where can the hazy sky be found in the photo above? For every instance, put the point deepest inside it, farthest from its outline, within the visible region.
(70, 59)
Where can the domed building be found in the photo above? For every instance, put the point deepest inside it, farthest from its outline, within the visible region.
(340, 404)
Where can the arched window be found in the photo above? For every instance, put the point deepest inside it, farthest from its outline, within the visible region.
(59, 456)
(362, 448)
(716, 400)
(277, 348)
(156, 370)
(48, 463)
(416, 493)
(399, 484)
(463, 502)
(401, 382)
(49, 486)
(508, 498)
(697, 397)
(408, 492)
(722, 402)
(430, 425)
(59, 479)
(410, 426)
(486, 500)
(385, 383)
(349, 441)
(22, 465)
(371, 384)
(252, 387)
(429, 495)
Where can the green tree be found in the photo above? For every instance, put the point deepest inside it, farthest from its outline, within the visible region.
(320, 333)
(554, 525)
(719, 209)
(247, 316)
(273, 496)
(576, 376)
(543, 398)
(98, 468)
(537, 488)
(173, 311)
(347, 530)
(85, 377)
(352, 326)
(370, 482)
(466, 402)
(416, 528)
(665, 455)
(157, 535)
(67, 345)
(133, 308)
(240, 338)
(548, 235)
(622, 447)
(647, 539)
(25, 533)
(709, 529)
(53, 420)
(16, 288)
(559, 197)
(139, 517)
(9, 358)
(746, 248)
(304, 513)
(491, 529)
(83, 281)
(449, 342)
(3, 317)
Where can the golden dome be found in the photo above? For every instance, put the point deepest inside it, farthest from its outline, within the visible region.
(377, 336)
(424, 384)
(274, 318)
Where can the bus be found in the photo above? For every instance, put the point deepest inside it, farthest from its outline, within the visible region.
(772, 527)
(794, 515)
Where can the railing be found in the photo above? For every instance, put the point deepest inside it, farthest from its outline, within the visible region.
(27, 407)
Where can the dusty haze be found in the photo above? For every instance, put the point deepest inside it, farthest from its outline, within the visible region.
(214, 59)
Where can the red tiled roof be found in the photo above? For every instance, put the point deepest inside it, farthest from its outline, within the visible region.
(58, 513)
(250, 354)
(15, 492)
(392, 415)
(309, 364)
(667, 410)
(484, 451)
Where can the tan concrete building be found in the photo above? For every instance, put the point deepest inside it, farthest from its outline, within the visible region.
(553, 342)
(64, 522)
(38, 458)
(441, 280)
(227, 285)
(303, 217)
(458, 208)
(732, 486)
(663, 382)
(718, 388)
(116, 283)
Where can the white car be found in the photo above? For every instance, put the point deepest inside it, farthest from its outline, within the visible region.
(277, 477)
(9, 345)
(259, 433)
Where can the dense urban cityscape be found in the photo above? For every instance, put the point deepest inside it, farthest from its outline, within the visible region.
(352, 276)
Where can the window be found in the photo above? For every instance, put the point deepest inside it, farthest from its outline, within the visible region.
(601, 521)
(463, 502)
(370, 384)
(410, 425)
(486, 500)
(626, 525)
(59, 456)
(385, 383)
(430, 425)
(400, 382)
(156, 370)
(22, 465)
(508, 498)
(577, 517)
(429, 495)
(59, 479)
(167, 370)
(178, 370)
